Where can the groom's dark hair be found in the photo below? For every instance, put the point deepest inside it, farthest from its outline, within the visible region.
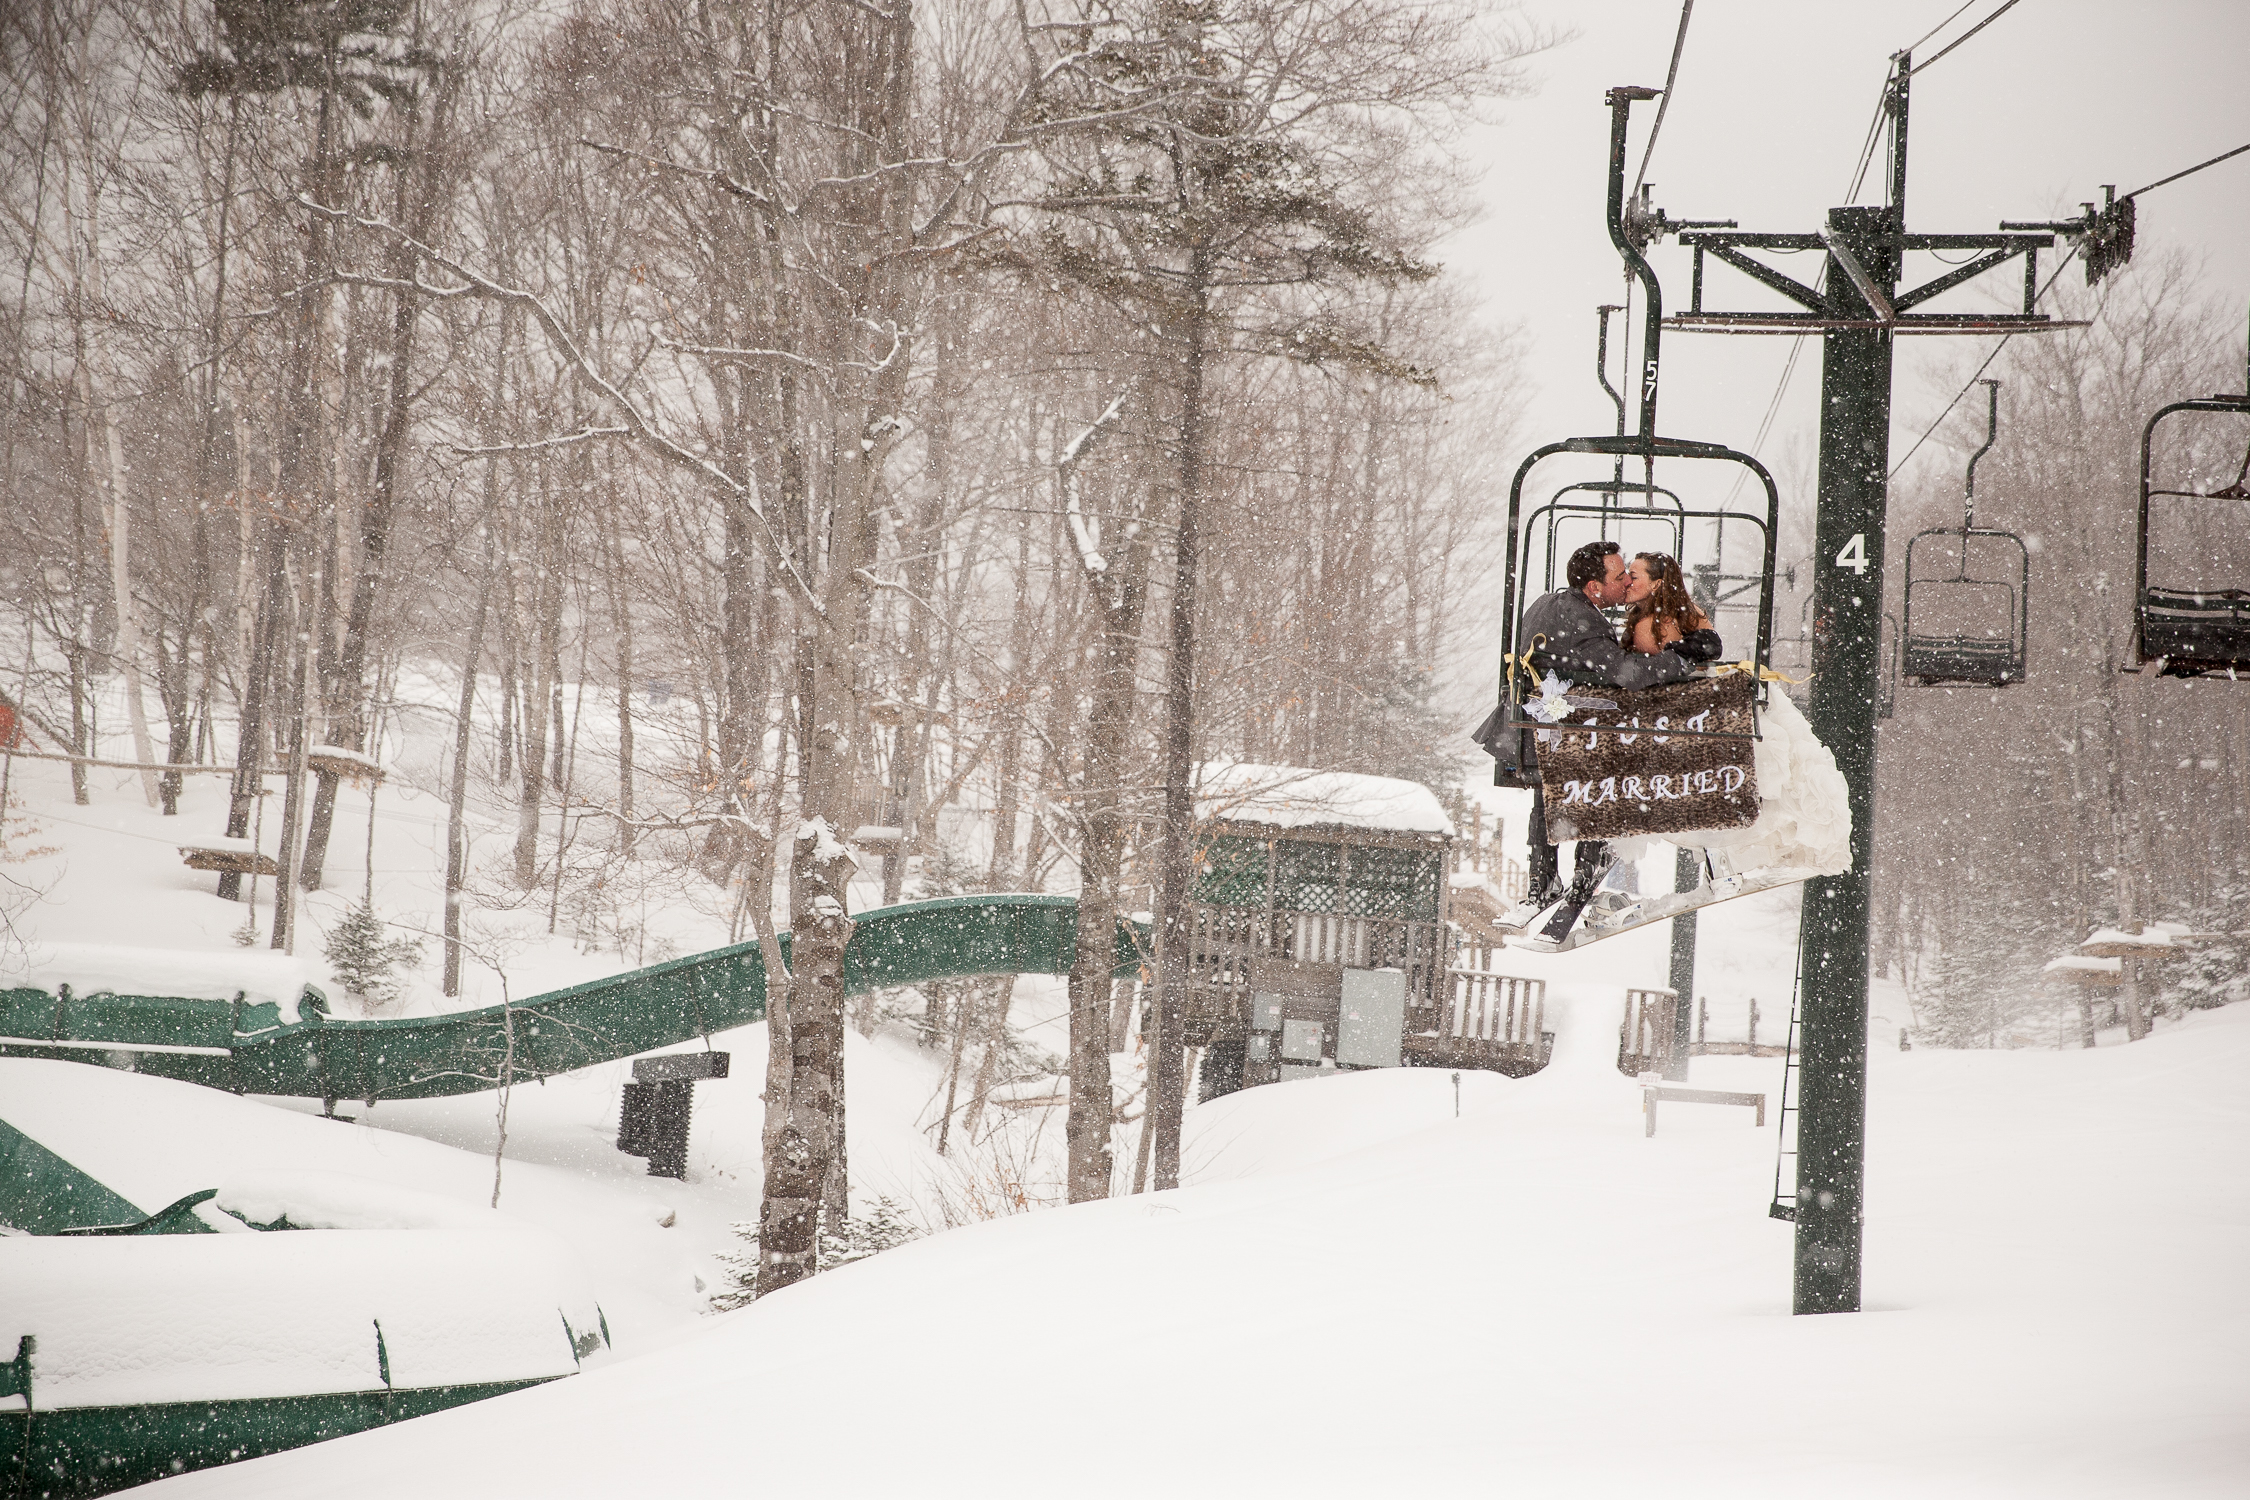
(1590, 562)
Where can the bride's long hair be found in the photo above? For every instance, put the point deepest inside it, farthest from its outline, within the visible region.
(1668, 600)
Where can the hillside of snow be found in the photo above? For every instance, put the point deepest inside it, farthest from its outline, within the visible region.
(1367, 1295)
(1359, 1290)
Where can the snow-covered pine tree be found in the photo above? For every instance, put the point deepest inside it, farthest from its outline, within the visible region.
(365, 958)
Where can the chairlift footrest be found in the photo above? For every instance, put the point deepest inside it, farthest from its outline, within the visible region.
(1663, 908)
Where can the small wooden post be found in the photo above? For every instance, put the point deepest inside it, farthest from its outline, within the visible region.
(1702, 1018)
(1753, 1028)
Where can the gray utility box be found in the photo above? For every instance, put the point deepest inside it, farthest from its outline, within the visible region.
(1371, 1018)
(1300, 1041)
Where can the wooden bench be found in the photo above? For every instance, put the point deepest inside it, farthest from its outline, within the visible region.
(1651, 1093)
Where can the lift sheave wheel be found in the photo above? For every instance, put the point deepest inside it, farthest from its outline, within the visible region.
(2192, 597)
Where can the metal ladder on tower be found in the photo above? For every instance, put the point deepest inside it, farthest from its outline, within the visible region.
(1784, 1205)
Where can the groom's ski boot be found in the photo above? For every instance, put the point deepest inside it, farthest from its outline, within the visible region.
(1551, 936)
(1529, 910)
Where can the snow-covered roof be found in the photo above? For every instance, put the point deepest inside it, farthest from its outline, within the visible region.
(2072, 963)
(1292, 797)
(2110, 942)
(341, 758)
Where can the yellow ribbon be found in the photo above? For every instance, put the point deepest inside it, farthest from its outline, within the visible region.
(1529, 672)
(1763, 674)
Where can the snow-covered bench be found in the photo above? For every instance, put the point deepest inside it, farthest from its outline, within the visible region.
(1652, 1092)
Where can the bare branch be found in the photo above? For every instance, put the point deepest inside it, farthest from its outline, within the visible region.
(637, 423)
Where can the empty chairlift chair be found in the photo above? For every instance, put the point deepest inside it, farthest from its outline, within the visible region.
(1968, 587)
(2192, 616)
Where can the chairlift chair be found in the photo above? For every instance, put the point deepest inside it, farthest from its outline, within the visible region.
(2187, 625)
(1968, 593)
(1539, 545)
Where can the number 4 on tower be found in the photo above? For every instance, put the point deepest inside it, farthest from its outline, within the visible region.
(1854, 555)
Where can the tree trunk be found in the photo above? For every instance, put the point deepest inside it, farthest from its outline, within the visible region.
(415, 204)
(1119, 587)
(105, 455)
(546, 603)
(621, 620)
(1167, 1082)
(457, 797)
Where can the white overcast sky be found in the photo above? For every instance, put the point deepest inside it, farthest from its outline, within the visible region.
(1773, 101)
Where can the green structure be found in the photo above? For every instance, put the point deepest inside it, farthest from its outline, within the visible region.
(242, 1047)
(252, 1049)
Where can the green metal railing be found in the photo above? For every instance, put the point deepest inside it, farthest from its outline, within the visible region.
(251, 1049)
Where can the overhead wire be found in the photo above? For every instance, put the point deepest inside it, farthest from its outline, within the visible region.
(1859, 179)
(2190, 172)
(1940, 26)
(1797, 343)
(1939, 56)
(2060, 266)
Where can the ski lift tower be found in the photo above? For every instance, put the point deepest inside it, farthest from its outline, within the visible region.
(1858, 310)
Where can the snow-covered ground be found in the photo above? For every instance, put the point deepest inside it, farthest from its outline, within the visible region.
(1363, 1294)
(1358, 1291)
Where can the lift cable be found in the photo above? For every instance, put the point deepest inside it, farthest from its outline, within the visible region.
(2199, 166)
(1867, 147)
(1671, 76)
(2060, 267)
(1940, 26)
(1928, 62)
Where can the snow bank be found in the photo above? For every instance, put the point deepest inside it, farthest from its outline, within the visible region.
(1804, 809)
(151, 1318)
(1419, 1297)
(1287, 797)
(339, 1200)
(101, 968)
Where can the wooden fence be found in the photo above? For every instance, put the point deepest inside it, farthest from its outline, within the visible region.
(1644, 1038)
(1489, 1020)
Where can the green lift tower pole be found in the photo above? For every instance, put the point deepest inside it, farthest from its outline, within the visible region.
(1858, 310)
(1855, 420)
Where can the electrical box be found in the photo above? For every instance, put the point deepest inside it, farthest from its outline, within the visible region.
(1265, 1011)
(1257, 1048)
(1372, 1018)
(1300, 1041)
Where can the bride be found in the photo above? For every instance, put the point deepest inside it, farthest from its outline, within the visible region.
(1661, 614)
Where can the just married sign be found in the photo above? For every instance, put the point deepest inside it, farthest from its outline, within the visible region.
(1609, 771)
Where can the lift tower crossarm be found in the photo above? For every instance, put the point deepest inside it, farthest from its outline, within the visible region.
(1823, 310)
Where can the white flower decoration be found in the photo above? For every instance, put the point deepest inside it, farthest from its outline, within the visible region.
(1552, 706)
